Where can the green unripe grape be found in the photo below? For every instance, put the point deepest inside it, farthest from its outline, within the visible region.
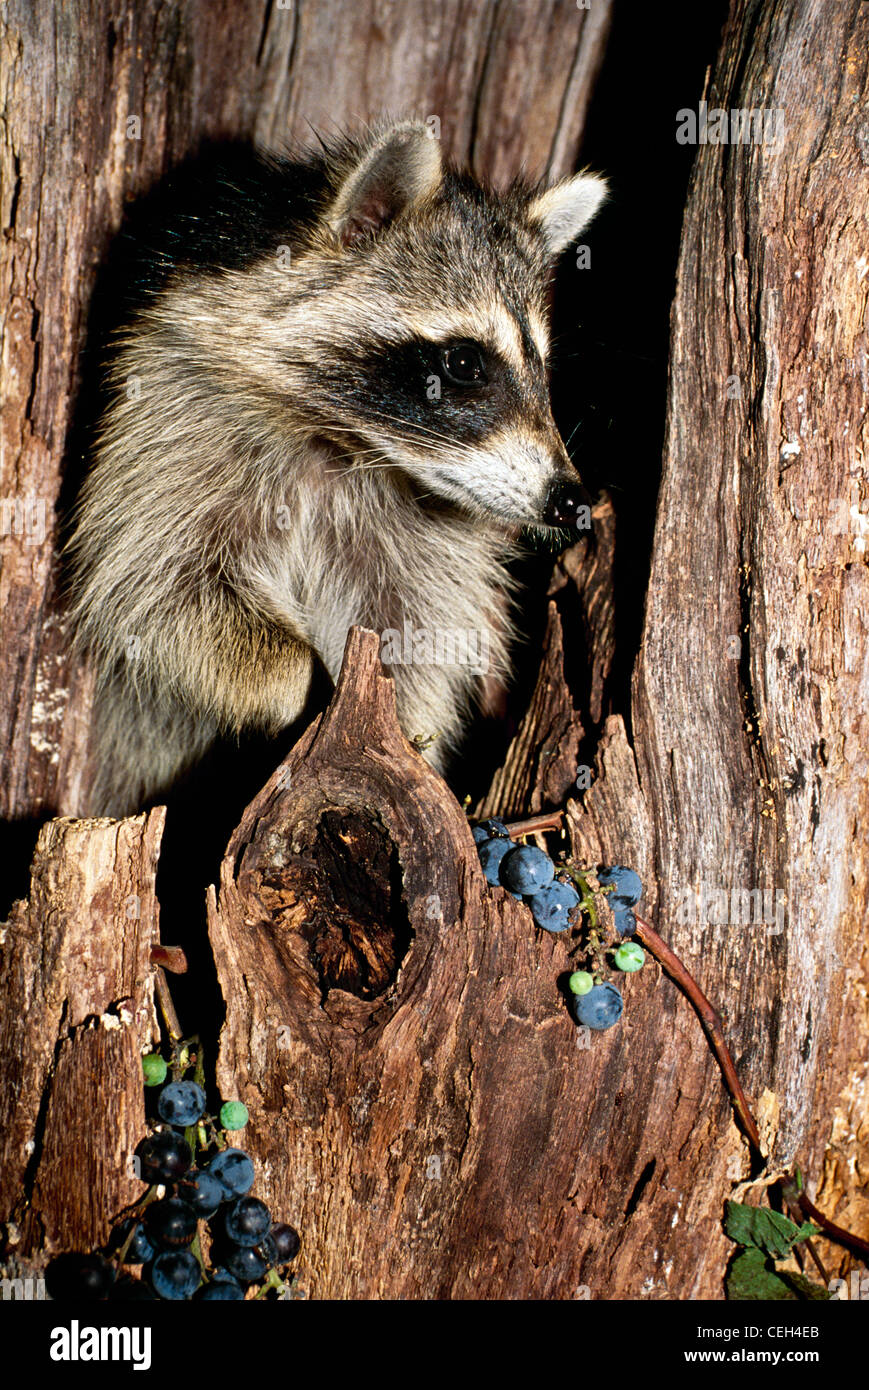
(155, 1069)
(233, 1115)
(630, 956)
(580, 982)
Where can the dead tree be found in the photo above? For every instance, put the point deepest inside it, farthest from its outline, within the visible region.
(398, 1030)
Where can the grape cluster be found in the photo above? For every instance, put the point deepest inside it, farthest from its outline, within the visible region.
(530, 875)
(192, 1201)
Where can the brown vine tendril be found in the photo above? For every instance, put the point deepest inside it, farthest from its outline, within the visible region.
(792, 1187)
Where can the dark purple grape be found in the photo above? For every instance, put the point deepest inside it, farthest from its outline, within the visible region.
(492, 829)
(247, 1221)
(164, 1157)
(234, 1170)
(175, 1274)
(286, 1241)
(181, 1103)
(245, 1264)
(526, 869)
(140, 1249)
(624, 919)
(220, 1292)
(74, 1275)
(491, 853)
(203, 1192)
(600, 1008)
(130, 1290)
(627, 885)
(171, 1223)
(552, 906)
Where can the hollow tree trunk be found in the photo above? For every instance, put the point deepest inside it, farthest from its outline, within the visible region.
(413, 1125)
(421, 1105)
(98, 100)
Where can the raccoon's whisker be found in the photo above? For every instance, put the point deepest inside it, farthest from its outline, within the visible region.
(569, 440)
(456, 450)
(364, 467)
(353, 454)
(418, 429)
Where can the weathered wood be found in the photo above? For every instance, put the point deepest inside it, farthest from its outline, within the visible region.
(418, 1098)
(403, 1114)
(749, 709)
(540, 768)
(588, 570)
(77, 989)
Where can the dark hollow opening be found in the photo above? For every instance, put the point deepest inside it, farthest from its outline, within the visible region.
(346, 876)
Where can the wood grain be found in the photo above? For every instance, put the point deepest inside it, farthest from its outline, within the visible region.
(78, 1011)
(421, 1105)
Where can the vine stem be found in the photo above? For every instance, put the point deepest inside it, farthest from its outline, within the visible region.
(792, 1190)
(800, 1198)
(548, 820)
(711, 1021)
(792, 1187)
(167, 1008)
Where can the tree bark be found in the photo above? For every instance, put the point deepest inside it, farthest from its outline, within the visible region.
(78, 1011)
(421, 1105)
(742, 776)
(749, 708)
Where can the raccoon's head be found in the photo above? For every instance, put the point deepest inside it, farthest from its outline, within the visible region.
(427, 337)
(406, 325)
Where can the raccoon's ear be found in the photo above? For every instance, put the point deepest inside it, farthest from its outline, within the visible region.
(402, 166)
(565, 209)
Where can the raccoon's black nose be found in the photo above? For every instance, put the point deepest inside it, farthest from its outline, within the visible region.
(563, 502)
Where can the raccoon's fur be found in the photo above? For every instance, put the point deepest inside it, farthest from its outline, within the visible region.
(329, 407)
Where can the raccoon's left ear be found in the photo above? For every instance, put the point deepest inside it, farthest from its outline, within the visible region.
(400, 167)
(564, 210)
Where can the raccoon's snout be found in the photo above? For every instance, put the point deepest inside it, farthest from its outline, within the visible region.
(563, 501)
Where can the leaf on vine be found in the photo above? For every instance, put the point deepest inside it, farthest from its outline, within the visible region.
(749, 1279)
(764, 1230)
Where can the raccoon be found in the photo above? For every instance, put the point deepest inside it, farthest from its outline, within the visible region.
(328, 405)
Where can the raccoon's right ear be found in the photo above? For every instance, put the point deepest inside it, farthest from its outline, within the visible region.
(564, 210)
(401, 167)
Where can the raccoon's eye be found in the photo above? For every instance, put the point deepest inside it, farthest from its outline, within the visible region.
(463, 364)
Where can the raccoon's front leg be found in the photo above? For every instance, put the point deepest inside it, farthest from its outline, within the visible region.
(215, 668)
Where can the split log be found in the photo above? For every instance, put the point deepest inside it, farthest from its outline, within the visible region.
(78, 1012)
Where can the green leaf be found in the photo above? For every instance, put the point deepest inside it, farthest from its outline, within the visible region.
(806, 1231)
(750, 1279)
(804, 1288)
(764, 1230)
